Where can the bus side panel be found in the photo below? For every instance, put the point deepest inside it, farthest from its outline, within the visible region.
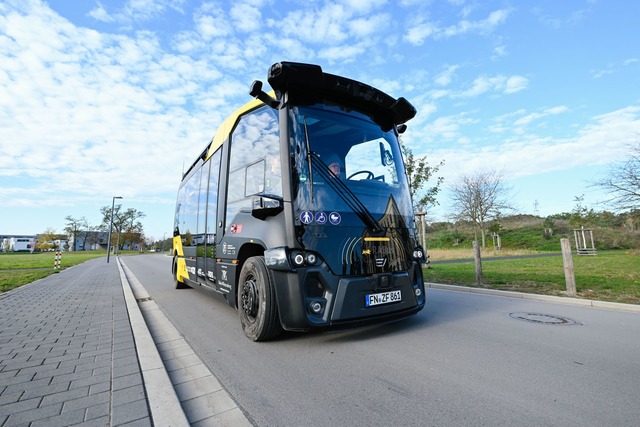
(226, 278)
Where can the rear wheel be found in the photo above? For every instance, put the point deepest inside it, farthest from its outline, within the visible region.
(257, 301)
(178, 284)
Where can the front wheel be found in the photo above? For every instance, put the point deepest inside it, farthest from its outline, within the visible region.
(257, 301)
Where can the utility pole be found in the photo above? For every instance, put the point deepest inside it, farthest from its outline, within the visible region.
(113, 203)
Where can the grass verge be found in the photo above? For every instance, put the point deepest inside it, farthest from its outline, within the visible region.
(608, 276)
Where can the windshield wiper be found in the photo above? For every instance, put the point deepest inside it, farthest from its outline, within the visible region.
(309, 155)
(344, 193)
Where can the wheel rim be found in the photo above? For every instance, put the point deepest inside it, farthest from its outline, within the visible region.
(249, 298)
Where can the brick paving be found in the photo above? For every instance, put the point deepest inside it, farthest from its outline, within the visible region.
(67, 352)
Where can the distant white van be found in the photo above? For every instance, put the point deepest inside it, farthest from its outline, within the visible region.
(22, 244)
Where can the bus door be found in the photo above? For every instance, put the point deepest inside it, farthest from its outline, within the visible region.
(211, 276)
(188, 222)
(201, 235)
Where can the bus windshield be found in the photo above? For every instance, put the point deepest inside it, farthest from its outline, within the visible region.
(334, 144)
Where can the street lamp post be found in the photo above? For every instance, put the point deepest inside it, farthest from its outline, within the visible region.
(113, 203)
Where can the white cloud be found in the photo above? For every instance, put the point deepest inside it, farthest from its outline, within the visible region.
(600, 142)
(320, 26)
(211, 22)
(247, 18)
(101, 14)
(446, 76)
(364, 6)
(296, 49)
(135, 11)
(515, 84)
(499, 52)
(344, 53)
(525, 120)
(363, 27)
(422, 29)
(502, 84)
(448, 128)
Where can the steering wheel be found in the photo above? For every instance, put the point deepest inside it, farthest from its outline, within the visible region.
(369, 174)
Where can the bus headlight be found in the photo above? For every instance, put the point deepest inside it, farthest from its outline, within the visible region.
(282, 258)
(297, 258)
(276, 259)
(310, 258)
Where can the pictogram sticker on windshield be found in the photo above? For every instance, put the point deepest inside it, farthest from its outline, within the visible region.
(334, 218)
(306, 217)
(321, 217)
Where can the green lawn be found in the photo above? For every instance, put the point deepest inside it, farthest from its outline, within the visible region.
(19, 269)
(608, 276)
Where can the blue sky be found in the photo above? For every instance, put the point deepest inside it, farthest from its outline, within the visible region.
(106, 98)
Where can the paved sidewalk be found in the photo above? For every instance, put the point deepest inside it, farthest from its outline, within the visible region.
(67, 352)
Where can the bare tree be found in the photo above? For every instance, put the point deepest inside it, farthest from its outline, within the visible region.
(479, 198)
(623, 182)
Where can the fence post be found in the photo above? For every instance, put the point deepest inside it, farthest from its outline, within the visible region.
(567, 261)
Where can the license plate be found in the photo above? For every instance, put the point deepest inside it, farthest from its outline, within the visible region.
(382, 298)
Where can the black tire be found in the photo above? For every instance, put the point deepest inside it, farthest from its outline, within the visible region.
(174, 270)
(257, 301)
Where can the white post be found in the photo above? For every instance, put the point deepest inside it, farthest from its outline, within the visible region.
(424, 231)
(567, 261)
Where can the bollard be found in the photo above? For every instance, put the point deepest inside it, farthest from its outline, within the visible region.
(56, 263)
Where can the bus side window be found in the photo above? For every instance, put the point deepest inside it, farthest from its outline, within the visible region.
(254, 145)
(189, 214)
(254, 181)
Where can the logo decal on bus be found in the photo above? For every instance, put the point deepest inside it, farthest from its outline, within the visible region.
(380, 262)
(321, 217)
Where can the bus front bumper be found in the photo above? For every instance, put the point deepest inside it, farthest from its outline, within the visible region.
(314, 298)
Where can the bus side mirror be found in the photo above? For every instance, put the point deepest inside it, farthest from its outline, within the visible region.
(257, 92)
(266, 206)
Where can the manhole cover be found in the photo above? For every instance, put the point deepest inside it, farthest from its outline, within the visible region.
(545, 319)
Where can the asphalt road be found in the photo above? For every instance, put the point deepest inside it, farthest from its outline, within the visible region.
(463, 360)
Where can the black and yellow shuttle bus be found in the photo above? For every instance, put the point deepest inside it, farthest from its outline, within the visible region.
(298, 213)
